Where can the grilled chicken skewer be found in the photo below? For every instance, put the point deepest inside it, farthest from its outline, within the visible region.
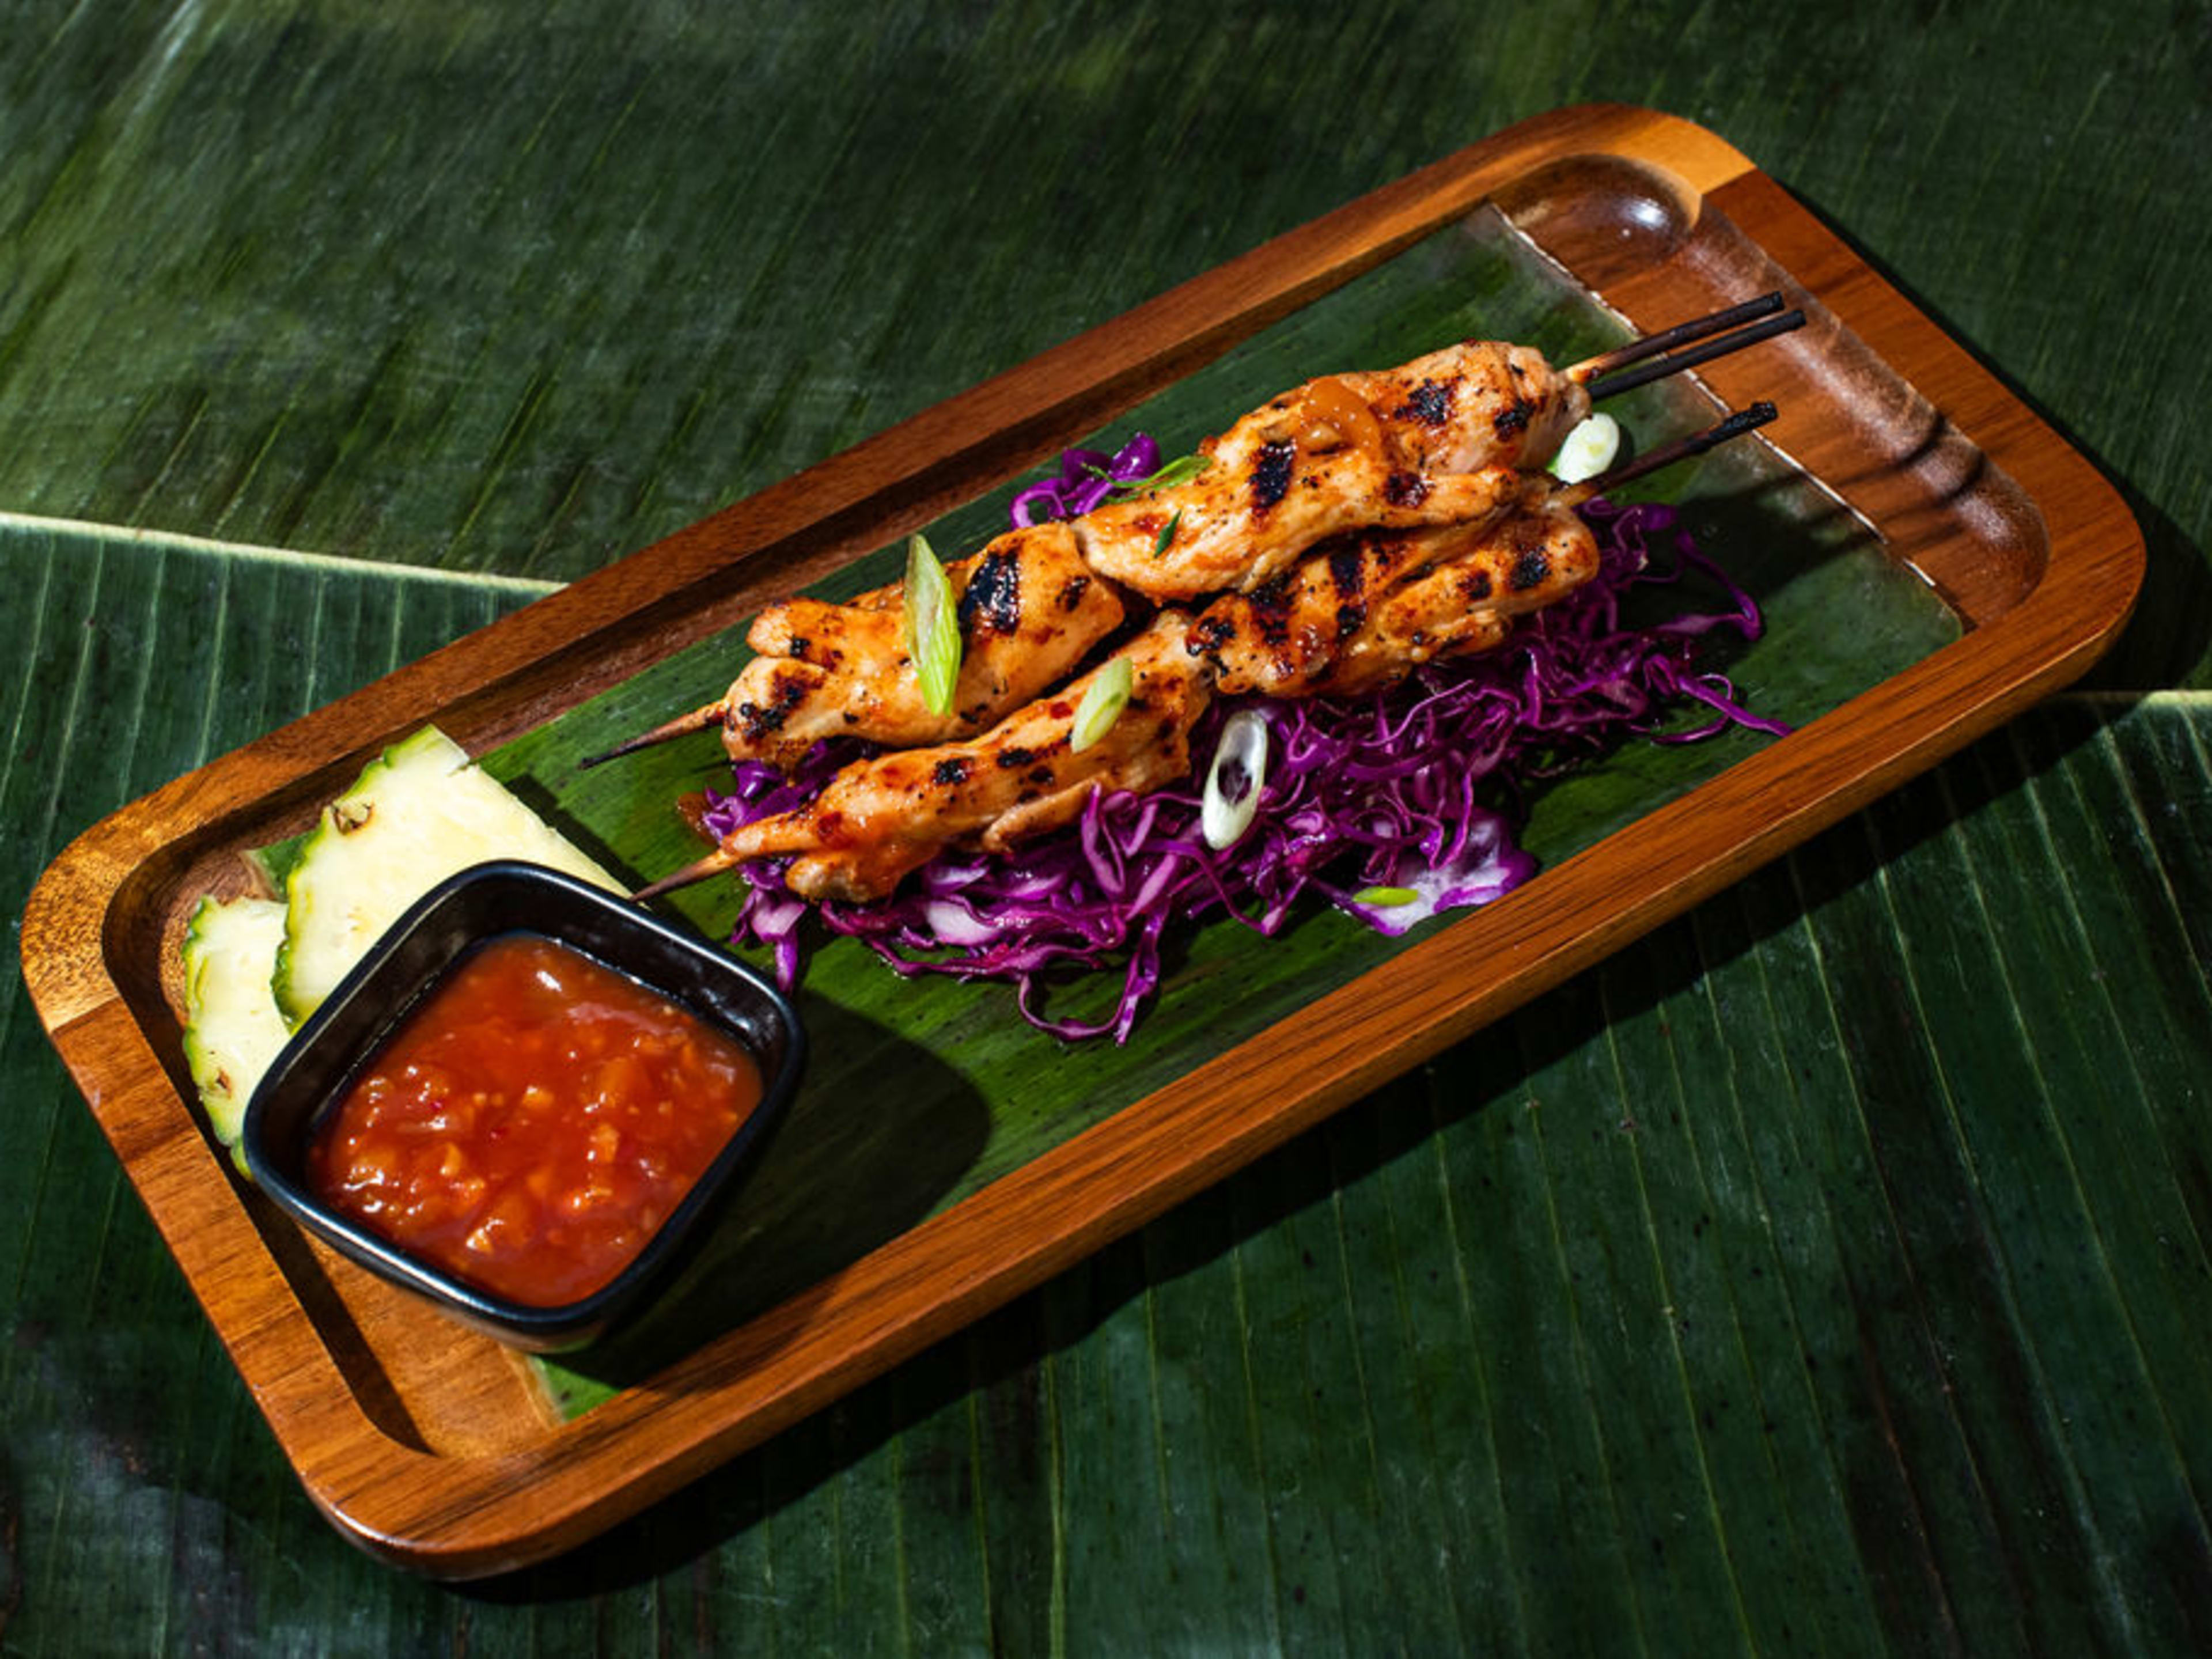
(1535, 559)
(1368, 608)
(1029, 610)
(1440, 440)
(1361, 611)
(880, 818)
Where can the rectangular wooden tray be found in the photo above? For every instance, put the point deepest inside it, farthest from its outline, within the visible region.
(435, 1451)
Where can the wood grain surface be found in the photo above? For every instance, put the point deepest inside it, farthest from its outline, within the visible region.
(230, 310)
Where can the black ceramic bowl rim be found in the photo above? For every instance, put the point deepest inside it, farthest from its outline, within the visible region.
(417, 953)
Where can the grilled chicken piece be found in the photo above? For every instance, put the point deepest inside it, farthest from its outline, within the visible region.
(1442, 440)
(1363, 610)
(880, 818)
(1535, 559)
(1030, 610)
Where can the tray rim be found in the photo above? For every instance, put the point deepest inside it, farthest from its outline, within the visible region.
(462, 1516)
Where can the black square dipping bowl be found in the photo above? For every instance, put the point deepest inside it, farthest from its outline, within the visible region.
(339, 1041)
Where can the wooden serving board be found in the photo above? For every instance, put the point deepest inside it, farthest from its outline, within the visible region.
(439, 1452)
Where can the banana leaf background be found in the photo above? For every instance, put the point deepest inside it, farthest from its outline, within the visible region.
(1828, 1273)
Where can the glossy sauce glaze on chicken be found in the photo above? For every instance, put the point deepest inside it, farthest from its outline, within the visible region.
(1349, 619)
(882, 818)
(1353, 528)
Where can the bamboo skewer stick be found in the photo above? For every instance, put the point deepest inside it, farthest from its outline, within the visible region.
(1742, 421)
(1643, 373)
(1651, 345)
(714, 864)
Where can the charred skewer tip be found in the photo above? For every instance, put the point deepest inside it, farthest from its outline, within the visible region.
(1698, 328)
(699, 719)
(1658, 368)
(1734, 426)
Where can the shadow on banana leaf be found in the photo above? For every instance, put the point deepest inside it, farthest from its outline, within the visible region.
(853, 1166)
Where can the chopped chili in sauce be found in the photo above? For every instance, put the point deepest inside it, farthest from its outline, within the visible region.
(532, 1124)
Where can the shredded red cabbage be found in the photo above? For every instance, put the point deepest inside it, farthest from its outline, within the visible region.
(1406, 789)
(1087, 478)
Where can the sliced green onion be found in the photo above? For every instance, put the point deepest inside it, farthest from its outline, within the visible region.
(1384, 898)
(933, 627)
(1167, 534)
(1167, 475)
(1104, 700)
(1182, 470)
(1588, 450)
(1233, 781)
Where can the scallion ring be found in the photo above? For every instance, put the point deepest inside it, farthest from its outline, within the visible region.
(1588, 450)
(1233, 781)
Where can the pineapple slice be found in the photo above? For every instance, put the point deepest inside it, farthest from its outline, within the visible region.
(420, 813)
(233, 1028)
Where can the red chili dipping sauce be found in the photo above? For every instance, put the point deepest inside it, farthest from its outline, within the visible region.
(533, 1122)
